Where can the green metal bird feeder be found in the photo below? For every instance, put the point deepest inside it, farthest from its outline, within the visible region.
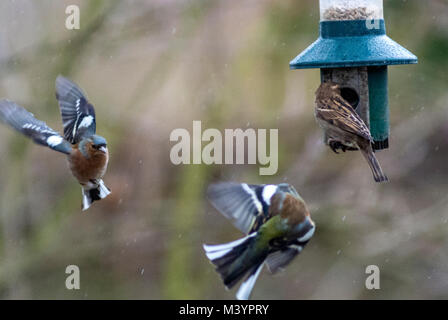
(354, 51)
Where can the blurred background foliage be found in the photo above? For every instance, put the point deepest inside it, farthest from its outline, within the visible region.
(152, 66)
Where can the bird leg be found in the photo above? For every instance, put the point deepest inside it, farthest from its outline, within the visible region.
(345, 148)
(335, 145)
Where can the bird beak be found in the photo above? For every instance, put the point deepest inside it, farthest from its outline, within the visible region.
(103, 149)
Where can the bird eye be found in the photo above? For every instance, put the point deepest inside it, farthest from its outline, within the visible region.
(98, 146)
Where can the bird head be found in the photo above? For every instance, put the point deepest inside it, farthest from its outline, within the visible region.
(327, 89)
(97, 143)
(305, 229)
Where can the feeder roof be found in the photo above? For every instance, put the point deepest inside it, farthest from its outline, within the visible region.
(354, 43)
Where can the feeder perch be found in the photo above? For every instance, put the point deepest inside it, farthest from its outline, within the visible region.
(354, 51)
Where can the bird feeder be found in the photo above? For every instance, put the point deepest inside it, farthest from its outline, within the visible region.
(354, 51)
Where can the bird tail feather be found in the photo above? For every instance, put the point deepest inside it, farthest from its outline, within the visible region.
(98, 192)
(234, 260)
(246, 287)
(374, 165)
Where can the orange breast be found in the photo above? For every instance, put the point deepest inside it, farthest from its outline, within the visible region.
(86, 169)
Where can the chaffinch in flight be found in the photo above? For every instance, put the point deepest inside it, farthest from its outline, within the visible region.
(344, 127)
(86, 152)
(276, 221)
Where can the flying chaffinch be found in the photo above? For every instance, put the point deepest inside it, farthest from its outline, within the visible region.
(86, 152)
(276, 221)
(344, 127)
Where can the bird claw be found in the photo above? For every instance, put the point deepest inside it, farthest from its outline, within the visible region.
(335, 146)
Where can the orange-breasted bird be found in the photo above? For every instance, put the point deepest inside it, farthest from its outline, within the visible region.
(277, 224)
(86, 152)
(344, 127)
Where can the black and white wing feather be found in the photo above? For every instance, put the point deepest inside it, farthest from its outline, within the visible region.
(241, 203)
(278, 260)
(24, 122)
(78, 115)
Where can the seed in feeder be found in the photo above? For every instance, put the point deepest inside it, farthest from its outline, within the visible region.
(338, 13)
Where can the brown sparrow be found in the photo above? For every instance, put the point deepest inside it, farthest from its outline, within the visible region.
(344, 127)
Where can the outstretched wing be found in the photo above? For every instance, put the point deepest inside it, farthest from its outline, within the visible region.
(338, 112)
(24, 122)
(78, 115)
(278, 260)
(241, 203)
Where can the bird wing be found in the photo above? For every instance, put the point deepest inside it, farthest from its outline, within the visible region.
(339, 113)
(78, 115)
(24, 122)
(278, 260)
(240, 203)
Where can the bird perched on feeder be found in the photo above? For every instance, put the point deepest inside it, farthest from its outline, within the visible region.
(277, 224)
(344, 127)
(86, 152)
